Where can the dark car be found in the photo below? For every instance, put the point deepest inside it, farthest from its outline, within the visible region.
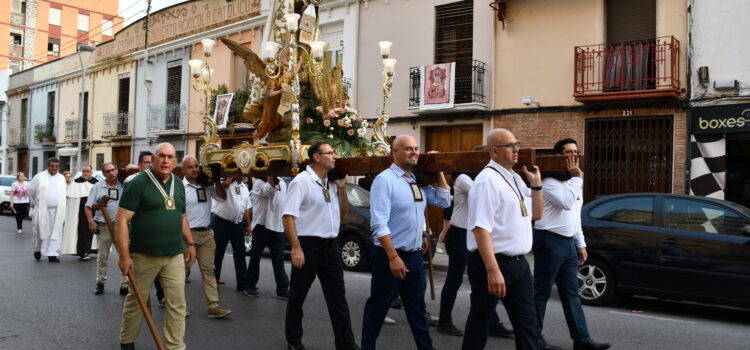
(668, 246)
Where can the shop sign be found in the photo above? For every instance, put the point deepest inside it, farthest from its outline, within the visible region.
(721, 119)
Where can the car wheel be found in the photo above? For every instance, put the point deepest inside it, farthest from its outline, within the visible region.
(353, 253)
(596, 282)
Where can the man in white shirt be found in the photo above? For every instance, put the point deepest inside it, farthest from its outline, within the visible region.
(499, 219)
(559, 248)
(231, 224)
(269, 197)
(312, 215)
(198, 210)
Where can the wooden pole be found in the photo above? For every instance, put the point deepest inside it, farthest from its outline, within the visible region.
(430, 267)
(102, 205)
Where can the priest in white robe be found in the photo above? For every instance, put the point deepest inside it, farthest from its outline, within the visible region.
(76, 235)
(47, 194)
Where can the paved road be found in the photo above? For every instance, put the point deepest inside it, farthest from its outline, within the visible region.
(52, 306)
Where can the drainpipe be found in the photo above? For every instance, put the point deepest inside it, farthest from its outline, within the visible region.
(689, 118)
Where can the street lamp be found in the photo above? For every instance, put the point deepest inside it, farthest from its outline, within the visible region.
(90, 50)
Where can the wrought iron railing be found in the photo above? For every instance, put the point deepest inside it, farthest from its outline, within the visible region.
(71, 130)
(17, 137)
(116, 124)
(44, 132)
(627, 66)
(18, 18)
(16, 50)
(469, 83)
(167, 117)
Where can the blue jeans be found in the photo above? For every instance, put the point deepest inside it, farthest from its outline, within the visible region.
(455, 246)
(556, 260)
(383, 290)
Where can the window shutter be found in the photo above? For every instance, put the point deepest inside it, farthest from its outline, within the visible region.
(629, 20)
(174, 81)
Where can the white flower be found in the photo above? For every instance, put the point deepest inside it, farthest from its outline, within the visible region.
(330, 136)
(331, 128)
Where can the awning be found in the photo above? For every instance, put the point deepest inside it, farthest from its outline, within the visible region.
(67, 151)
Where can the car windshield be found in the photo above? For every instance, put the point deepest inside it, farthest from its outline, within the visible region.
(358, 197)
(7, 181)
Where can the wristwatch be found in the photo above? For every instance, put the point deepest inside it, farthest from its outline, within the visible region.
(536, 188)
(193, 244)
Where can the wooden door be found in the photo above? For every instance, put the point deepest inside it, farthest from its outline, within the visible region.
(449, 139)
(121, 156)
(23, 164)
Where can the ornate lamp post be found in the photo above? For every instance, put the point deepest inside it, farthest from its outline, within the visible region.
(201, 82)
(381, 125)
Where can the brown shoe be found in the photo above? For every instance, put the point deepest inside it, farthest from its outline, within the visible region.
(215, 312)
(220, 282)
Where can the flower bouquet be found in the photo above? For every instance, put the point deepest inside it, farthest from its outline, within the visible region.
(340, 126)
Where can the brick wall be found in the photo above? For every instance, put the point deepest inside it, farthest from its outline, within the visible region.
(543, 129)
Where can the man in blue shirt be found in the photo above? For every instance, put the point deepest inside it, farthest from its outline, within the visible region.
(397, 206)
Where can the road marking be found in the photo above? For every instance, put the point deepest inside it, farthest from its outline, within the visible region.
(651, 317)
(362, 276)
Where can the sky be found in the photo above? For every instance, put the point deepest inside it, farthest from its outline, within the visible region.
(133, 10)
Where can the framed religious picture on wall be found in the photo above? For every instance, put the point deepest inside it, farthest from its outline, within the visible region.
(221, 111)
(437, 86)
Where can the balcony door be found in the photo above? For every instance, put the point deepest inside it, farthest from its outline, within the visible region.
(174, 91)
(449, 139)
(121, 156)
(630, 54)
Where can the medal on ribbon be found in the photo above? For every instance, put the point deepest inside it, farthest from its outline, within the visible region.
(169, 203)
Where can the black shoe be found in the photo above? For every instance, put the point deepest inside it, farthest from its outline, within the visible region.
(500, 331)
(123, 291)
(544, 346)
(53, 259)
(37, 256)
(84, 257)
(450, 329)
(128, 346)
(397, 304)
(297, 346)
(282, 294)
(251, 292)
(592, 345)
(99, 289)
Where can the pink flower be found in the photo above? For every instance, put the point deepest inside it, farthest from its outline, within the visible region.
(319, 108)
(350, 132)
(341, 122)
(331, 114)
(347, 126)
(360, 119)
(326, 123)
(309, 120)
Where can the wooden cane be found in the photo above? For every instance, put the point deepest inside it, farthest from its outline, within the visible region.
(430, 267)
(102, 205)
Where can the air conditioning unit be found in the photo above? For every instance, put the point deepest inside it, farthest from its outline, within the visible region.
(728, 84)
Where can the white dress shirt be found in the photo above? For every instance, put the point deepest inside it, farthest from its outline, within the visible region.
(267, 205)
(233, 209)
(562, 208)
(460, 204)
(494, 206)
(199, 213)
(313, 215)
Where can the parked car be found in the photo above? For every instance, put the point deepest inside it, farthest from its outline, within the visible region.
(5, 182)
(665, 245)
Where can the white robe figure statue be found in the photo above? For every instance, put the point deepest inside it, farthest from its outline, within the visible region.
(47, 193)
(76, 191)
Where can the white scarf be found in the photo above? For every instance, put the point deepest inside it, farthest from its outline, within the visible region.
(40, 202)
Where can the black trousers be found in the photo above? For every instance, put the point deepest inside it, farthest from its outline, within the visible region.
(518, 301)
(263, 237)
(224, 233)
(322, 260)
(22, 211)
(85, 237)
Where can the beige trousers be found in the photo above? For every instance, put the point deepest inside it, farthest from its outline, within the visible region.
(204, 254)
(171, 273)
(103, 243)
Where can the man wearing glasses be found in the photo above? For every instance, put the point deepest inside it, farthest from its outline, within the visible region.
(559, 248)
(312, 214)
(104, 239)
(501, 208)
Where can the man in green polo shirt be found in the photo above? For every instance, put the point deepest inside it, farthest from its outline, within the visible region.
(153, 204)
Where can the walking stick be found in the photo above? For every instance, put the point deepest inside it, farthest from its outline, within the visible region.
(430, 267)
(102, 205)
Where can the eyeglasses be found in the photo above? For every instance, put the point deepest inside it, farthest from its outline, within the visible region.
(516, 145)
(330, 153)
(108, 171)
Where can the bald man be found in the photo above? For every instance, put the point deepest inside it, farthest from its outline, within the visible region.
(499, 220)
(397, 206)
(153, 204)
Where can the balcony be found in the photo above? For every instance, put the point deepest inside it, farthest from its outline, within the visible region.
(16, 50)
(468, 87)
(631, 71)
(117, 125)
(44, 133)
(18, 18)
(167, 119)
(17, 137)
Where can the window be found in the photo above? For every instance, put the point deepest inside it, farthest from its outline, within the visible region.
(55, 16)
(83, 22)
(34, 166)
(180, 155)
(107, 27)
(454, 40)
(333, 35)
(10, 165)
(16, 38)
(629, 210)
(99, 160)
(699, 216)
(358, 197)
(53, 47)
